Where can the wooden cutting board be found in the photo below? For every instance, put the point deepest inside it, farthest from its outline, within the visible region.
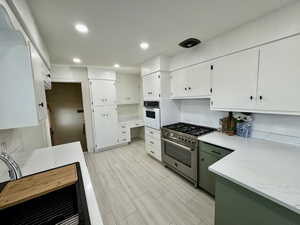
(33, 186)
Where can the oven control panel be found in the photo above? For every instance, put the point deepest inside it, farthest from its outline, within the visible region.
(179, 138)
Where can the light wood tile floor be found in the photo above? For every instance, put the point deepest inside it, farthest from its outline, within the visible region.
(134, 189)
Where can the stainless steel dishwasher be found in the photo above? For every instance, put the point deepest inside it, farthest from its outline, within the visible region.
(208, 155)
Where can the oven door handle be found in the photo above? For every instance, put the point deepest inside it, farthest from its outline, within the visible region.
(179, 145)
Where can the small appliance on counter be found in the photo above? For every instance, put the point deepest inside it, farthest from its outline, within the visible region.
(180, 148)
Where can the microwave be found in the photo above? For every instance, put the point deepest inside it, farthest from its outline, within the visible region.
(152, 114)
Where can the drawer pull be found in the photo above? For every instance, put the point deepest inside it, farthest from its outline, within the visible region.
(124, 132)
(219, 153)
(151, 142)
(151, 132)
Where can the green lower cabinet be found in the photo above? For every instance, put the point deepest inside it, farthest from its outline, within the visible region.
(236, 205)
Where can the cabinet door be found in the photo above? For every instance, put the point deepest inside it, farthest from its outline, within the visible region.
(128, 89)
(38, 69)
(279, 76)
(105, 126)
(178, 84)
(198, 80)
(151, 86)
(234, 81)
(207, 178)
(103, 92)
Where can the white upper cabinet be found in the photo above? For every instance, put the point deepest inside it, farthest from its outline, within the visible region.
(106, 126)
(178, 84)
(128, 89)
(191, 82)
(18, 102)
(96, 73)
(234, 81)
(279, 77)
(157, 64)
(151, 86)
(103, 92)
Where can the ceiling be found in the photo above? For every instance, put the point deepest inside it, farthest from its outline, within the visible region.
(116, 27)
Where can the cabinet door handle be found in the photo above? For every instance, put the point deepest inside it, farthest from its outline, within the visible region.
(190, 88)
(216, 152)
(260, 97)
(151, 142)
(41, 104)
(151, 132)
(185, 89)
(251, 97)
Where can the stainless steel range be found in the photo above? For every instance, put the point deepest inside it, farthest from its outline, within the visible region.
(180, 148)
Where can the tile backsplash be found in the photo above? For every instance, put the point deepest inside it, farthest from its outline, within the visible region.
(20, 143)
(278, 128)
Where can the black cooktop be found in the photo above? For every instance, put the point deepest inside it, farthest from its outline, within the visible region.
(190, 129)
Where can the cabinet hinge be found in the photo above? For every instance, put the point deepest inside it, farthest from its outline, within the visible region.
(211, 67)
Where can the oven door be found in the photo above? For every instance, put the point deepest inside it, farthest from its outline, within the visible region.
(181, 158)
(152, 118)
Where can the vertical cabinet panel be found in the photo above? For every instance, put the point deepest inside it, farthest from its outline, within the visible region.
(279, 76)
(234, 81)
(38, 74)
(105, 126)
(151, 87)
(103, 92)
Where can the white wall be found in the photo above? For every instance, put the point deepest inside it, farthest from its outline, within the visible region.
(62, 73)
(276, 25)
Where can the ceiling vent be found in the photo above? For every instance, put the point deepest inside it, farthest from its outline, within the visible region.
(190, 42)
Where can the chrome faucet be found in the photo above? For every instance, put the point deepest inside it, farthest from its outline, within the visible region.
(14, 170)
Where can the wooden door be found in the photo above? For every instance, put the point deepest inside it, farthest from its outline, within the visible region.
(66, 114)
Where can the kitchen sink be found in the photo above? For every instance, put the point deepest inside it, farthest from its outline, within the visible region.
(64, 206)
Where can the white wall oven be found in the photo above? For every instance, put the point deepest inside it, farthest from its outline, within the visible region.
(152, 114)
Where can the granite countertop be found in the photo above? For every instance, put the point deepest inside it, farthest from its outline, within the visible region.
(52, 157)
(267, 168)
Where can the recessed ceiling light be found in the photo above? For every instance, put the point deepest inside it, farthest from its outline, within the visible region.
(144, 45)
(76, 60)
(81, 28)
(117, 66)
